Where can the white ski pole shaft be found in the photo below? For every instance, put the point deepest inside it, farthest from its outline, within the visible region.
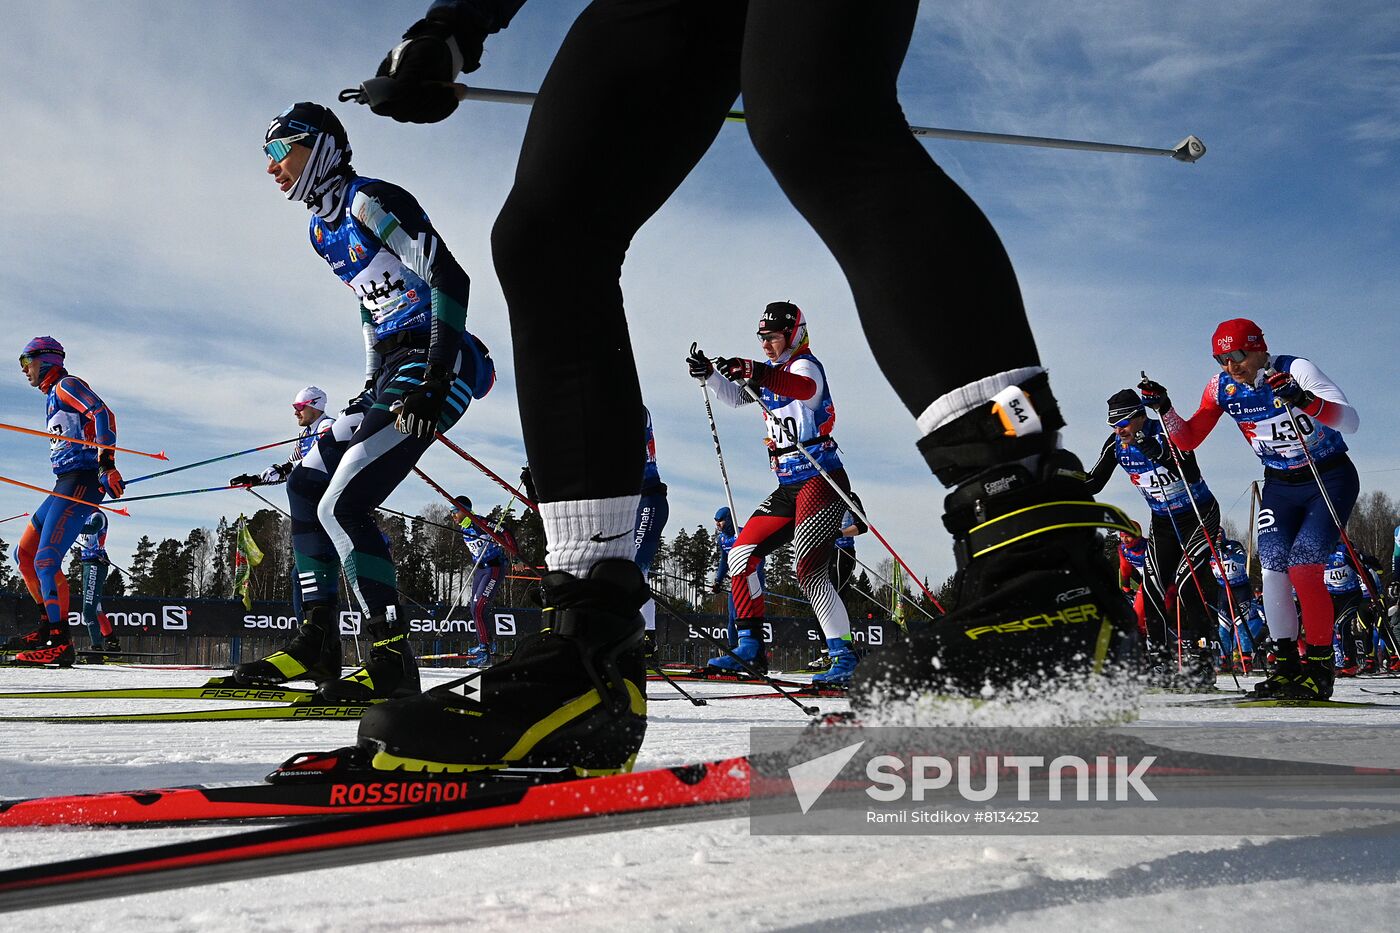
(1188, 150)
(719, 451)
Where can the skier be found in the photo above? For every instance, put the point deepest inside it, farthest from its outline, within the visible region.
(309, 410)
(422, 370)
(1241, 620)
(844, 566)
(1272, 399)
(84, 473)
(92, 556)
(804, 508)
(1178, 552)
(725, 536)
(489, 561)
(652, 512)
(1132, 568)
(1353, 636)
(585, 184)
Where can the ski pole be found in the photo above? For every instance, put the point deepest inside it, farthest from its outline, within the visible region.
(182, 492)
(415, 518)
(59, 495)
(1189, 149)
(78, 440)
(845, 497)
(13, 517)
(714, 435)
(446, 442)
(448, 496)
(191, 466)
(1215, 555)
(748, 669)
(268, 501)
(1361, 571)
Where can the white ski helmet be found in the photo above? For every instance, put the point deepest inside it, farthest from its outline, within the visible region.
(310, 397)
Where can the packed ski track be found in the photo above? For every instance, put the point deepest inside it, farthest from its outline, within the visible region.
(704, 875)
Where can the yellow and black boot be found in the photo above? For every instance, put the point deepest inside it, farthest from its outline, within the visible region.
(1036, 600)
(573, 696)
(314, 654)
(391, 670)
(1314, 681)
(1287, 668)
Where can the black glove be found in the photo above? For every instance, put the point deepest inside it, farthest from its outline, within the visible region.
(1286, 388)
(108, 476)
(421, 407)
(1150, 446)
(700, 365)
(245, 479)
(737, 369)
(527, 483)
(1393, 589)
(1154, 395)
(362, 402)
(414, 83)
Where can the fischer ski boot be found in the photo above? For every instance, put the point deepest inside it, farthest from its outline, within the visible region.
(573, 696)
(34, 638)
(480, 656)
(57, 648)
(112, 643)
(1286, 668)
(843, 664)
(390, 672)
(1314, 681)
(749, 650)
(1035, 597)
(314, 654)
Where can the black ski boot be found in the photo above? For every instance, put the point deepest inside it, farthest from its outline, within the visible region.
(57, 648)
(573, 696)
(112, 644)
(391, 670)
(314, 654)
(1286, 668)
(1314, 681)
(34, 638)
(1036, 597)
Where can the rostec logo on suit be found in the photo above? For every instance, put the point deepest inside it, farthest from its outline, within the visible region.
(174, 618)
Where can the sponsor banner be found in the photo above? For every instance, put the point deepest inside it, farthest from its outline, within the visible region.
(223, 618)
(1099, 780)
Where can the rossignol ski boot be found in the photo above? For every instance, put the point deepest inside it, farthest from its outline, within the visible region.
(573, 696)
(57, 648)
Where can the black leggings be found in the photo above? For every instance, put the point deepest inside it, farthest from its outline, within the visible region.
(634, 98)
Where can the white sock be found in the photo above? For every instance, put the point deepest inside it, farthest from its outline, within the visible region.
(958, 402)
(1279, 607)
(649, 614)
(581, 532)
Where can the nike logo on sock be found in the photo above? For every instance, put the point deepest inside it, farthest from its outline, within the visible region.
(599, 539)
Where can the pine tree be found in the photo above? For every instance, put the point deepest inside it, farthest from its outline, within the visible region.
(9, 580)
(170, 573)
(116, 582)
(221, 580)
(141, 566)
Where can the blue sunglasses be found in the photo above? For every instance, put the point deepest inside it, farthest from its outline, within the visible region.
(277, 149)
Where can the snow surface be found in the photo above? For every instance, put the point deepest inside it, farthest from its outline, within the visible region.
(709, 875)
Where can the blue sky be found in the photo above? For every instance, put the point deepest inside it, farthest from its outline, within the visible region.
(142, 231)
